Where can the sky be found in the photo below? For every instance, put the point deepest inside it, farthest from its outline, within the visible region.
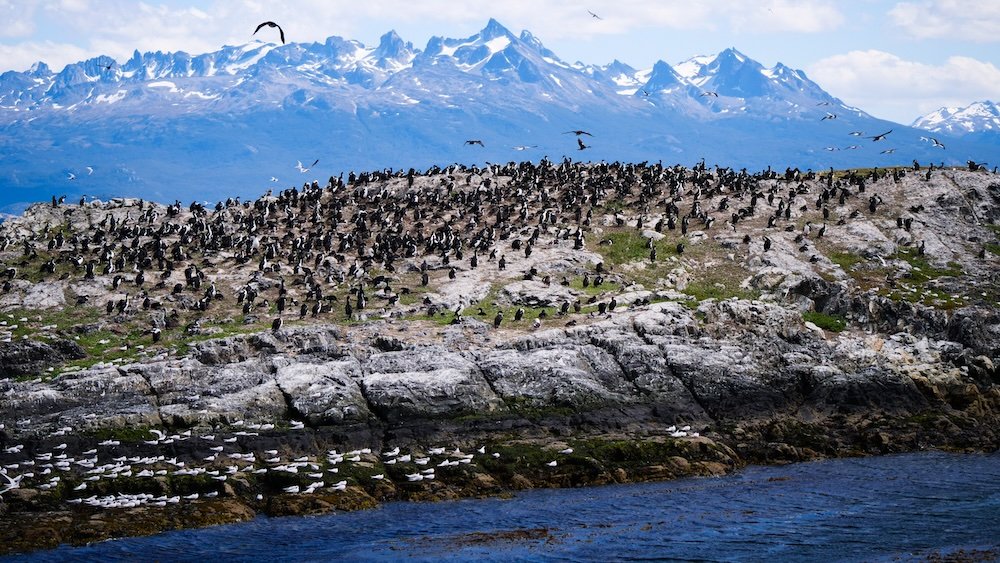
(896, 60)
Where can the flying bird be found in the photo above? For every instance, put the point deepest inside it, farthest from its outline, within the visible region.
(70, 176)
(829, 116)
(713, 94)
(301, 168)
(577, 132)
(880, 136)
(595, 16)
(524, 147)
(272, 24)
(90, 170)
(475, 142)
(582, 146)
(936, 143)
(888, 151)
(315, 162)
(856, 133)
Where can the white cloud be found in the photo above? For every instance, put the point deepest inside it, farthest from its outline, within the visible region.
(21, 56)
(799, 16)
(972, 20)
(890, 87)
(18, 18)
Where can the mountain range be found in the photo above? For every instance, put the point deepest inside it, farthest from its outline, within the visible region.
(240, 120)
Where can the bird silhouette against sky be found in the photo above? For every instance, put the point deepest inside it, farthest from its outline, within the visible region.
(281, 32)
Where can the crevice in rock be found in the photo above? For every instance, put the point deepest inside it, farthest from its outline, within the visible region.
(293, 412)
(155, 394)
(689, 386)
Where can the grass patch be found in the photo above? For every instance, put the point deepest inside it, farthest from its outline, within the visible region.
(845, 260)
(628, 245)
(832, 323)
(127, 434)
(709, 289)
(921, 269)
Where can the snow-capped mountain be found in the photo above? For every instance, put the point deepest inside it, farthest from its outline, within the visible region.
(977, 117)
(176, 125)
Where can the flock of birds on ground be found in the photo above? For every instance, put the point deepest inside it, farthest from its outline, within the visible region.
(375, 237)
(363, 244)
(216, 457)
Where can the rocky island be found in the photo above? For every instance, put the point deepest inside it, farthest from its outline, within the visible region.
(469, 331)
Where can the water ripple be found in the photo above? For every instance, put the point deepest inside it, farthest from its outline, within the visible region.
(904, 507)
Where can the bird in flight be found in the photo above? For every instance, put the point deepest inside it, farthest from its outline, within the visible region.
(888, 151)
(582, 146)
(934, 142)
(70, 176)
(274, 179)
(880, 136)
(829, 116)
(90, 170)
(644, 92)
(595, 16)
(577, 132)
(856, 133)
(713, 94)
(281, 32)
(315, 162)
(301, 168)
(475, 142)
(524, 147)
(822, 103)
(109, 65)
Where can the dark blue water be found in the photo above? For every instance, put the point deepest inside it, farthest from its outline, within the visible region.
(907, 507)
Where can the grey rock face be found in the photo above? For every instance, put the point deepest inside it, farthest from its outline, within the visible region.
(426, 382)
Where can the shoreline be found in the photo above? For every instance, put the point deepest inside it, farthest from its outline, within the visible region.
(30, 522)
(162, 366)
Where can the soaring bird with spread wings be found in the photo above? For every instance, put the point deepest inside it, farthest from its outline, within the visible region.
(281, 32)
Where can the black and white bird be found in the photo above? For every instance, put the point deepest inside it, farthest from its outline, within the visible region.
(880, 136)
(595, 16)
(475, 142)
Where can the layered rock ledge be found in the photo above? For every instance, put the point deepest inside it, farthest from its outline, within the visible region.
(695, 364)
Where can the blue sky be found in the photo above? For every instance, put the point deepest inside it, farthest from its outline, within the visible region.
(894, 59)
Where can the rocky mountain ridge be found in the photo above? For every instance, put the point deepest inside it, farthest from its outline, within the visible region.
(168, 126)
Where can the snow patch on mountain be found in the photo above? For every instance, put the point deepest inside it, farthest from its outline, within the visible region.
(977, 117)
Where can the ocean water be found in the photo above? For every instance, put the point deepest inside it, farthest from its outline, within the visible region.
(894, 508)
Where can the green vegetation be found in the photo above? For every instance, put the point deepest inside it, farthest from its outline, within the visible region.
(629, 245)
(922, 270)
(845, 260)
(123, 434)
(832, 323)
(707, 289)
